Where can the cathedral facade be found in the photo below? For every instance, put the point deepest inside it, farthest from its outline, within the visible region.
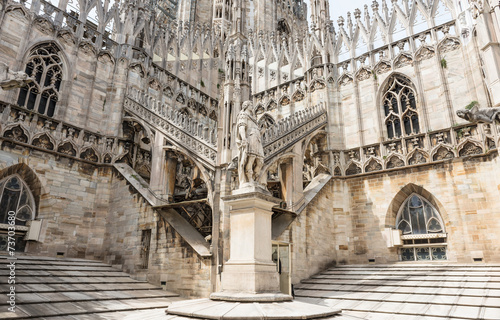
(118, 132)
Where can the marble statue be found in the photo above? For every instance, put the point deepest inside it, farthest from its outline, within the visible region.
(475, 115)
(14, 79)
(249, 142)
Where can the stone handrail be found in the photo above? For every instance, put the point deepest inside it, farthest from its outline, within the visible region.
(289, 130)
(197, 135)
(203, 128)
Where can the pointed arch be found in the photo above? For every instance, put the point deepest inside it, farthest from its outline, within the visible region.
(403, 194)
(398, 100)
(29, 177)
(45, 65)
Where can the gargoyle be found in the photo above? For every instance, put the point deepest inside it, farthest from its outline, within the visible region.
(14, 79)
(474, 115)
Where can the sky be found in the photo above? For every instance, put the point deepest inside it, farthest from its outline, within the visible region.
(341, 7)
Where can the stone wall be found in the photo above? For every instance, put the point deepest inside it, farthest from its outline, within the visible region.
(71, 202)
(171, 259)
(312, 236)
(91, 212)
(355, 212)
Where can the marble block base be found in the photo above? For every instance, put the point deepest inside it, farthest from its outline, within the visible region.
(225, 310)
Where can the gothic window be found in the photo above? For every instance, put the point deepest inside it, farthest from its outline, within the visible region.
(422, 228)
(15, 197)
(400, 107)
(45, 67)
(16, 204)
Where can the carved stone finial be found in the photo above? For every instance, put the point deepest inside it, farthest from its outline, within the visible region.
(357, 14)
(341, 21)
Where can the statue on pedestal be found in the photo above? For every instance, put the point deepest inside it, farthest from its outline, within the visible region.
(249, 142)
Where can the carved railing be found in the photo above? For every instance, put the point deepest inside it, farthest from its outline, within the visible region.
(287, 131)
(464, 141)
(197, 135)
(24, 127)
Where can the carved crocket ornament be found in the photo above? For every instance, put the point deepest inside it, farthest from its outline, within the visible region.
(476, 115)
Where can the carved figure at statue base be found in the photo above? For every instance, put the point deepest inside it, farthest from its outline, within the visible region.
(14, 79)
(475, 115)
(249, 142)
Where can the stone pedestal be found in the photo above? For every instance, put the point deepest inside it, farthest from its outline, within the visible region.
(250, 282)
(250, 269)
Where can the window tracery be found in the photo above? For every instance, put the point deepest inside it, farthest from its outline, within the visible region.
(422, 228)
(400, 107)
(16, 201)
(44, 66)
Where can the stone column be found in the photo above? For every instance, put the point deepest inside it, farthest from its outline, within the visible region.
(250, 274)
(170, 172)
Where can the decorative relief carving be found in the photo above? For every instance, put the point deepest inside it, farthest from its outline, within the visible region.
(373, 165)
(382, 67)
(352, 169)
(418, 157)
(16, 134)
(337, 172)
(44, 142)
(67, 148)
(89, 155)
(470, 149)
(443, 154)
(363, 74)
(403, 60)
(298, 96)
(44, 25)
(424, 53)
(449, 44)
(395, 162)
(345, 80)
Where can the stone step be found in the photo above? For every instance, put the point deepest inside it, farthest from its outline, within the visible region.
(402, 290)
(68, 296)
(84, 308)
(39, 261)
(409, 291)
(62, 273)
(73, 279)
(76, 289)
(416, 272)
(387, 309)
(416, 265)
(400, 297)
(409, 283)
(43, 288)
(396, 277)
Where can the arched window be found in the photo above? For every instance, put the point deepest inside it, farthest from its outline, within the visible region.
(400, 107)
(16, 204)
(422, 228)
(45, 67)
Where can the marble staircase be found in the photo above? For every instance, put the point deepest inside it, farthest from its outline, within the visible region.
(60, 288)
(408, 291)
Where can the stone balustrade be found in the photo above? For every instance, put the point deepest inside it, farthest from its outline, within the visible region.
(29, 128)
(465, 140)
(289, 130)
(201, 127)
(199, 135)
